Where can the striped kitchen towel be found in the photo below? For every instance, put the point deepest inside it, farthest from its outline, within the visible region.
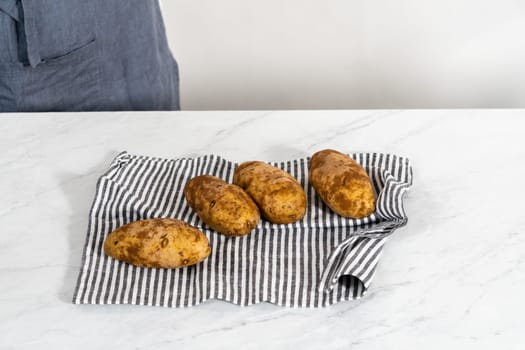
(317, 261)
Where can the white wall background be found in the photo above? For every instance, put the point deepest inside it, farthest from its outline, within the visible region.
(324, 54)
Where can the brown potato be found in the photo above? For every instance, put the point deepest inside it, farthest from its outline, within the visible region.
(342, 184)
(224, 207)
(279, 196)
(162, 243)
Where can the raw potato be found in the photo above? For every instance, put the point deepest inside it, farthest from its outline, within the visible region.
(224, 207)
(161, 243)
(279, 196)
(342, 184)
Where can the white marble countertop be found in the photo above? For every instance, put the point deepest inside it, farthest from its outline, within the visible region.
(454, 277)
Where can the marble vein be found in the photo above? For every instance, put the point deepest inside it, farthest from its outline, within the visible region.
(346, 129)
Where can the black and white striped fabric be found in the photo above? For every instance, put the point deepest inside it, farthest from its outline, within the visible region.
(317, 261)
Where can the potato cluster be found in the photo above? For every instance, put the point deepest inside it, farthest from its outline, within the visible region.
(258, 190)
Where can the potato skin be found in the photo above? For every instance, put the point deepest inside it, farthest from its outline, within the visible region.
(161, 243)
(279, 196)
(342, 184)
(224, 207)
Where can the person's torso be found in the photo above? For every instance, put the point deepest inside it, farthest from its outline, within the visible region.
(109, 49)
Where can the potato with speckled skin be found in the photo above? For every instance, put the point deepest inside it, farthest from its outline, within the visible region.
(224, 207)
(161, 243)
(342, 184)
(279, 196)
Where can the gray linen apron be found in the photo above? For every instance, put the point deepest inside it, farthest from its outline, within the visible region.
(84, 55)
